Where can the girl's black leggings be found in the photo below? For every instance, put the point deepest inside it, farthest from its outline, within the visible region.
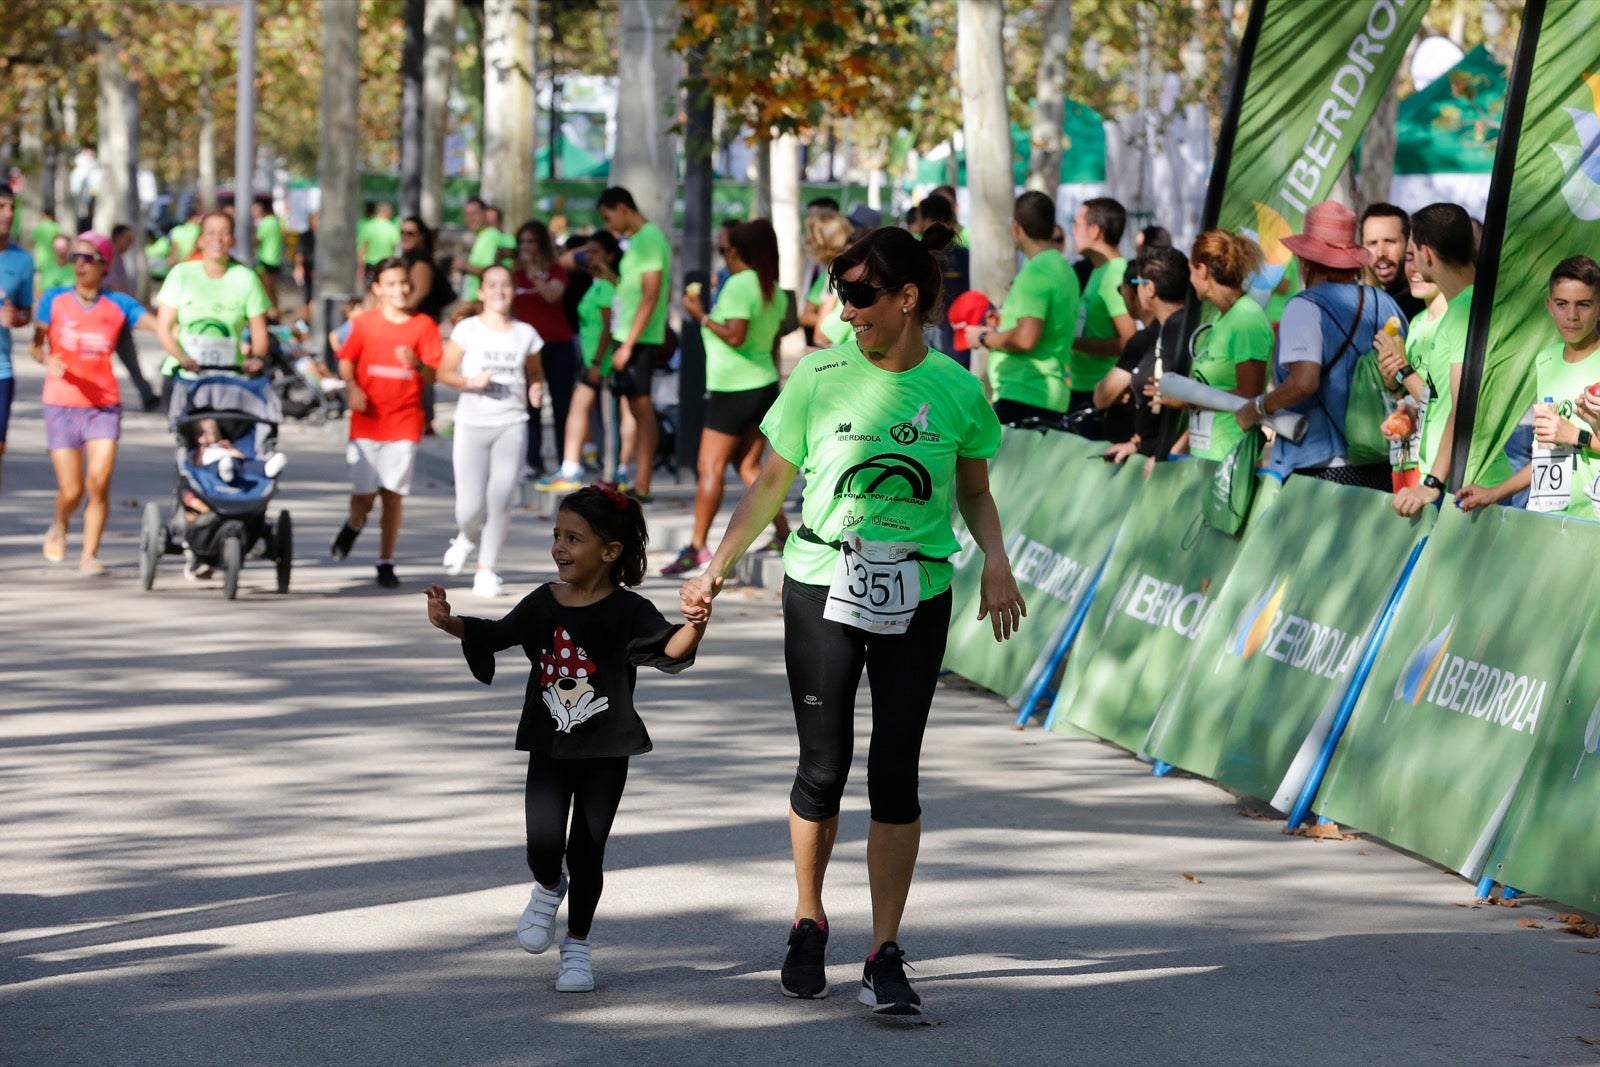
(590, 790)
(824, 661)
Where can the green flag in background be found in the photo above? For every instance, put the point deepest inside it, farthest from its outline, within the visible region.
(1544, 205)
(1312, 72)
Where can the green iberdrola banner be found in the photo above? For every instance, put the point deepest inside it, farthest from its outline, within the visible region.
(1467, 684)
(1290, 622)
(1157, 594)
(1315, 74)
(1551, 842)
(1553, 211)
(1056, 539)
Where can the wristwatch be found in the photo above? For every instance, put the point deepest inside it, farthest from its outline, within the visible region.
(983, 338)
(1584, 437)
(1406, 370)
(1433, 483)
(1261, 406)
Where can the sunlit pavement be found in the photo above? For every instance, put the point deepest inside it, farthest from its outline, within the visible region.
(287, 830)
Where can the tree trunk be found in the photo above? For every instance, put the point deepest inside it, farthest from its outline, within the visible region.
(65, 204)
(1378, 142)
(438, 63)
(698, 179)
(244, 134)
(645, 162)
(338, 156)
(134, 261)
(411, 108)
(31, 141)
(987, 134)
(1050, 97)
(508, 108)
(207, 161)
(50, 172)
(786, 210)
(112, 151)
(761, 196)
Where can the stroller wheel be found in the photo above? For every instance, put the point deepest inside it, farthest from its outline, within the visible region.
(232, 562)
(283, 546)
(152, 543)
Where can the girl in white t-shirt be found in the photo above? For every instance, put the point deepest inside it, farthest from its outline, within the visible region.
(494, 361)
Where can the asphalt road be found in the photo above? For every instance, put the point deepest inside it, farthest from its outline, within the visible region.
(287, 830)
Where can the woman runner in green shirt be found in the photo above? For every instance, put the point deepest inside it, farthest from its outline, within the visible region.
(740, 335)
(890, 435)
(1240, 342)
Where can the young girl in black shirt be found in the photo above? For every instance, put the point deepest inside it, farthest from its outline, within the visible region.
(586, 636)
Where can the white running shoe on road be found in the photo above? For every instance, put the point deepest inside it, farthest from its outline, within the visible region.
(455, 557)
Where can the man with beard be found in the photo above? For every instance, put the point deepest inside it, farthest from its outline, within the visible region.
(1385, 232)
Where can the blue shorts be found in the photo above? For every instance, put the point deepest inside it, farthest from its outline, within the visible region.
(73, 427)
(8, 389)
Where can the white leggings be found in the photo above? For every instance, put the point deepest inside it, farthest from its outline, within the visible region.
(488, 462)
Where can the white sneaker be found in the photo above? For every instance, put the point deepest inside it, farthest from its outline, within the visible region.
(275, 464)
(455, 557)
(577, 969)
(535, 930)
(487, 585)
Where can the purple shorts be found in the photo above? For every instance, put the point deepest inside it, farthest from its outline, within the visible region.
(66, 427)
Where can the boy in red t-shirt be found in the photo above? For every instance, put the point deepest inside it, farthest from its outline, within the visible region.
(387, 359)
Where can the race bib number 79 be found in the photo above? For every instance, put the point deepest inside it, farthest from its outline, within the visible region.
(1553, 472)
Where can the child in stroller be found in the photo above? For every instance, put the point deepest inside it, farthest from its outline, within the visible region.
(211, 447)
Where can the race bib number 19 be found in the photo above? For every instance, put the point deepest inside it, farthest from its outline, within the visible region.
(1553, 472)
(875, 586)
(213, 352)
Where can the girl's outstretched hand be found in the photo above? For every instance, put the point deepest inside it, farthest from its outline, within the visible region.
(439, 611)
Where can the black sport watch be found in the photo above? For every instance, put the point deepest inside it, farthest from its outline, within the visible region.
(1433, 483)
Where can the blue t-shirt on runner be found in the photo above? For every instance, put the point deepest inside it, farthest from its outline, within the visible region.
(16, 286)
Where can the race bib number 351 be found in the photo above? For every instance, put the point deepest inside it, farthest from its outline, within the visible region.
(875, 586)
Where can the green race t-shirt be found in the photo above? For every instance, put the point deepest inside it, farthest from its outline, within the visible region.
(53, 274)
(211, 309)
(648, 250)
(750, 366)
(878, 451)
(596, 301)
(1563, 382)
(44, 235)
(1419, 344)
(485, 253)
(1241, 334)
(1102, 302)
(381, 238)
(269, 241)
(184, 235)
(1045, 289)
(1448, 348)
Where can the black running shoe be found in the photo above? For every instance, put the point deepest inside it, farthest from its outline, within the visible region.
(343, 541)
(805, 975)
(884, 986)
(386, 576)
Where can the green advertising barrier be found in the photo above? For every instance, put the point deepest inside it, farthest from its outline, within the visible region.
(1158, 590)
(1466, 686)
(1264, 680)
(1550, 844)
(1056, 547)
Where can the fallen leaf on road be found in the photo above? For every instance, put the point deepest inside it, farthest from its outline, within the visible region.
(1191, 878)
(1531, 924)
(1253, 813)
(1570, 917)
(1589, 1040)
(1504, 903)
(1323, 831)
(1474, 907)
(925, 1021)
(1582, 929)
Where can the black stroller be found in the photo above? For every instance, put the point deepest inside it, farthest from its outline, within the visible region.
(215, 520)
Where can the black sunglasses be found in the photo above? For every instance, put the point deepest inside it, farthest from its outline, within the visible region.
(861, 294)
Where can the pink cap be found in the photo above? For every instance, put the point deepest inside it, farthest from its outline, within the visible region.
(100, 241)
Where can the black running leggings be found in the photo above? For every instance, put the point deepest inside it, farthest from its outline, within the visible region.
(824, 661)
(591, 789)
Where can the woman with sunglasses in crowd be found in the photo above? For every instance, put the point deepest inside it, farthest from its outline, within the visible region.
(75, 336)
(540, 282)
(889, 434)
(740, 336)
